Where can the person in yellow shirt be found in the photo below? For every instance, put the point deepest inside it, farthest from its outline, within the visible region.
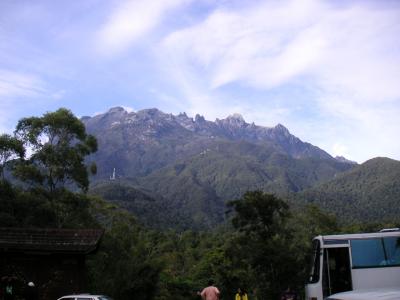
(241, 295)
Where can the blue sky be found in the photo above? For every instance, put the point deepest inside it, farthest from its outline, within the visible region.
(327, 70)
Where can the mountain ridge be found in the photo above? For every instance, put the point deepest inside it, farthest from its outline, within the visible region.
(195, 166)
(232, 127)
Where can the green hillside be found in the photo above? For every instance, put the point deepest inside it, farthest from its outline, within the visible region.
(156, 213)
(369, 192)
(200, 185)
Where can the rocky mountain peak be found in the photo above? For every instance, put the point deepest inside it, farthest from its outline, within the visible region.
(183, 115)
(236, 116)
(116, 110)
(199, 119)
(185, 121)
(234, 120)
(157, 124)
(281, 129)
(151, 112)
(155, 116)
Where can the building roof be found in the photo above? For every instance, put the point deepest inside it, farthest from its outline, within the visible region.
(49, 240)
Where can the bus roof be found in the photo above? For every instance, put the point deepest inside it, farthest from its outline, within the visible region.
(354, 236)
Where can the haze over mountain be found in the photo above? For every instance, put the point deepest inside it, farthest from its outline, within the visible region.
(196, 165)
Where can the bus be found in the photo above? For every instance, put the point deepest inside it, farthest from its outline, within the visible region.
(354, 262)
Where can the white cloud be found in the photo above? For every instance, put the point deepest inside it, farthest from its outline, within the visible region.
(269, 45)
(14, 84)
(263, 46)
(14, 87)
(347, 55)
(339, 149)
(19, 92)
(130, 21)
(128, 108)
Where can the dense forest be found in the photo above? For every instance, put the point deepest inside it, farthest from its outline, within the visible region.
(262, 246)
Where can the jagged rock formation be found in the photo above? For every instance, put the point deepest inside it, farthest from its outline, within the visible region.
(197, 165)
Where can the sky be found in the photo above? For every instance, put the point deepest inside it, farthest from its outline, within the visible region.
(329, 71)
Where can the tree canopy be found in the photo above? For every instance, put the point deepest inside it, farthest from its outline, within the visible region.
(10, 148)
(59, 145)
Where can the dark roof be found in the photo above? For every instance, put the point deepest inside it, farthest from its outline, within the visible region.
(49, 240)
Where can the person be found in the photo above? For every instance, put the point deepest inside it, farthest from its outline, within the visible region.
(210, 292)
(30, 292)
(289, 294)
(241, 294)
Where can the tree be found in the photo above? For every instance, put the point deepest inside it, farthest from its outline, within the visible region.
(10, 148)
(260, 213)
(307, 222)
(264, 241)
(59, 145)
(125, 266)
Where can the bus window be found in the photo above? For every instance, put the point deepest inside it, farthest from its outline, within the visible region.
(373, 253)
(315, 264)
(337, 273)
(392, 250)
(367, 253)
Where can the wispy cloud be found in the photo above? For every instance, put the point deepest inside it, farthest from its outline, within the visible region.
(347, 55)
(253, 45)
(130, 21)
(15, 84)
(328, 70)
(19, 92)
(268, 45)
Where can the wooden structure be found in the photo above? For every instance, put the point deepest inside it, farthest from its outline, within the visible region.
(54, 259)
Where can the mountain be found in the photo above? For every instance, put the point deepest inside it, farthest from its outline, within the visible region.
(138, 143)
(345, 160)
(368, 192)
(229, 169)
(149, 211)
(194, 166)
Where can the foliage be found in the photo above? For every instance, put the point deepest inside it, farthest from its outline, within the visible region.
(225, 170)
(264, 241)
(367, 193)
(154, 213)
(10, 148)
(306, 223)
(60, 144)
(126, 265)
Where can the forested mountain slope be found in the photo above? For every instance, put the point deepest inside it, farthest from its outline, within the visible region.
(368, 192)
(193, 166)
(156, 213)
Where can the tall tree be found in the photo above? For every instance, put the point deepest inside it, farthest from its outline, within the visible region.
(59, 145)
(264, 241)
(10, 148)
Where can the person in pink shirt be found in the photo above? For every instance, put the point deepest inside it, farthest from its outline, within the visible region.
(210, 292)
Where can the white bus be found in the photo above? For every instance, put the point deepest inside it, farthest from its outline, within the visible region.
(354, 262)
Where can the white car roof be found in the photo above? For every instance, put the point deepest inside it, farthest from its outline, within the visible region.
(81, 296)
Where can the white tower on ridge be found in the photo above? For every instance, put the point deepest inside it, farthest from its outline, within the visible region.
(113, 175)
